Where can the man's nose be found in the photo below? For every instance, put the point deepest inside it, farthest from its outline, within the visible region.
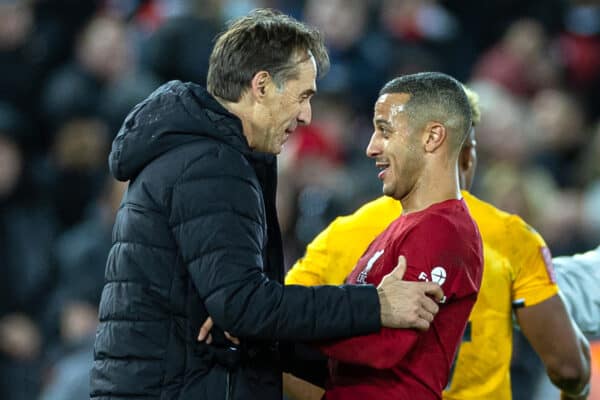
(305, 115)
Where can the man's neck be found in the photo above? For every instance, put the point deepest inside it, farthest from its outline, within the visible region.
(241, 111)
(433, 187)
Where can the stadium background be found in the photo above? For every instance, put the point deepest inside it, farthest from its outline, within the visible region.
(70, 70)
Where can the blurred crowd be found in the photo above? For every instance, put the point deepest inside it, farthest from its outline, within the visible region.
(71, 70)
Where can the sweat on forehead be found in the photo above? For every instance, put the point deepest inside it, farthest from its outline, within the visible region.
(391, 105)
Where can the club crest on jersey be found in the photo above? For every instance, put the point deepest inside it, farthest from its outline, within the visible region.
(438, 275)
(362, 277)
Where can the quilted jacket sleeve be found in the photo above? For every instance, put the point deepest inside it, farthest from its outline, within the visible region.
(216, 216)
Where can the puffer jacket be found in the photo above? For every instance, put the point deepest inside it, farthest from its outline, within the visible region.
(197, 235)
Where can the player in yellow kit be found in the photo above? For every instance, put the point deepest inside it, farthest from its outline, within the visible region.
(517, 275)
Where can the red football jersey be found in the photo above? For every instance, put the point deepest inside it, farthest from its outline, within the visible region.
(441, 244)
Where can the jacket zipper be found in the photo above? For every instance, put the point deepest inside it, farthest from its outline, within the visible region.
(229, 384)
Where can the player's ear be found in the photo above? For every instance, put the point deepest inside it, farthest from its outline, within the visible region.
(435, 135)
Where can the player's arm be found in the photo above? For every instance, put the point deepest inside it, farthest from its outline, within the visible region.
(380, 350)
(545, 320)
(547, 324)
(434, 241)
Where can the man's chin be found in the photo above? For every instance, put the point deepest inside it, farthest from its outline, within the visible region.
(275, 149)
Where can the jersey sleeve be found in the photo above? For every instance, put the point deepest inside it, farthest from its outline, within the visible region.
(430, 245)
(531, 260)
(330, 257)
(442, 253)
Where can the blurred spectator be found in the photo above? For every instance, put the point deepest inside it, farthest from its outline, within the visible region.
(532, 193)
(34, 37)
(520, 62)
(24, 219)
(559, 134)
(426, 29)
(70, 375)
(236, 8)
(579, 47)
(503, 134)
(357, 54)
(590, 174)
(27, 230)
(81, 251)
(81, 255)
(77, 166)
(104, 58)
(19, 72)
(180, 48)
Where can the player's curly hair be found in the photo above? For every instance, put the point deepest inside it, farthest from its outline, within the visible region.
(473, 98)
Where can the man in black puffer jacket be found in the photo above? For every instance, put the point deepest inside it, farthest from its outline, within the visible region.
(197, 234)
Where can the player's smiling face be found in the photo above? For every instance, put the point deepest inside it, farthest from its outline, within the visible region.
(394, 146)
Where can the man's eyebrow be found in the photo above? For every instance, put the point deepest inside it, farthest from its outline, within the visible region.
(308, 92)
(381, 121)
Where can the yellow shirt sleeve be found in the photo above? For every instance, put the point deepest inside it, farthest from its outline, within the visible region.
(332, 255)
(534, 275)
(528, 256)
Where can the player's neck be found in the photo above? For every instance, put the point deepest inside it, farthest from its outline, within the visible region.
(433, 187)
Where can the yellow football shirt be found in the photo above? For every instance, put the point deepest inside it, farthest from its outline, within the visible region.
(515, 274)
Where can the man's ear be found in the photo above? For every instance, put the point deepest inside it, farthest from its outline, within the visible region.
(435, 135)
(259, 84)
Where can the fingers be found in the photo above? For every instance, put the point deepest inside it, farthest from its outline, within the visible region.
(429, 306)
(434, 290)
(408, 304)
(232, 339)
(423, 319)
(426, 312)
(427, 316)
(397, 273)
(205, 331)
(421, 324)
(400, 269)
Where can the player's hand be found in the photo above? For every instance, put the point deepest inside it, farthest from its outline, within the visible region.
(407, 304)
(205, 329)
